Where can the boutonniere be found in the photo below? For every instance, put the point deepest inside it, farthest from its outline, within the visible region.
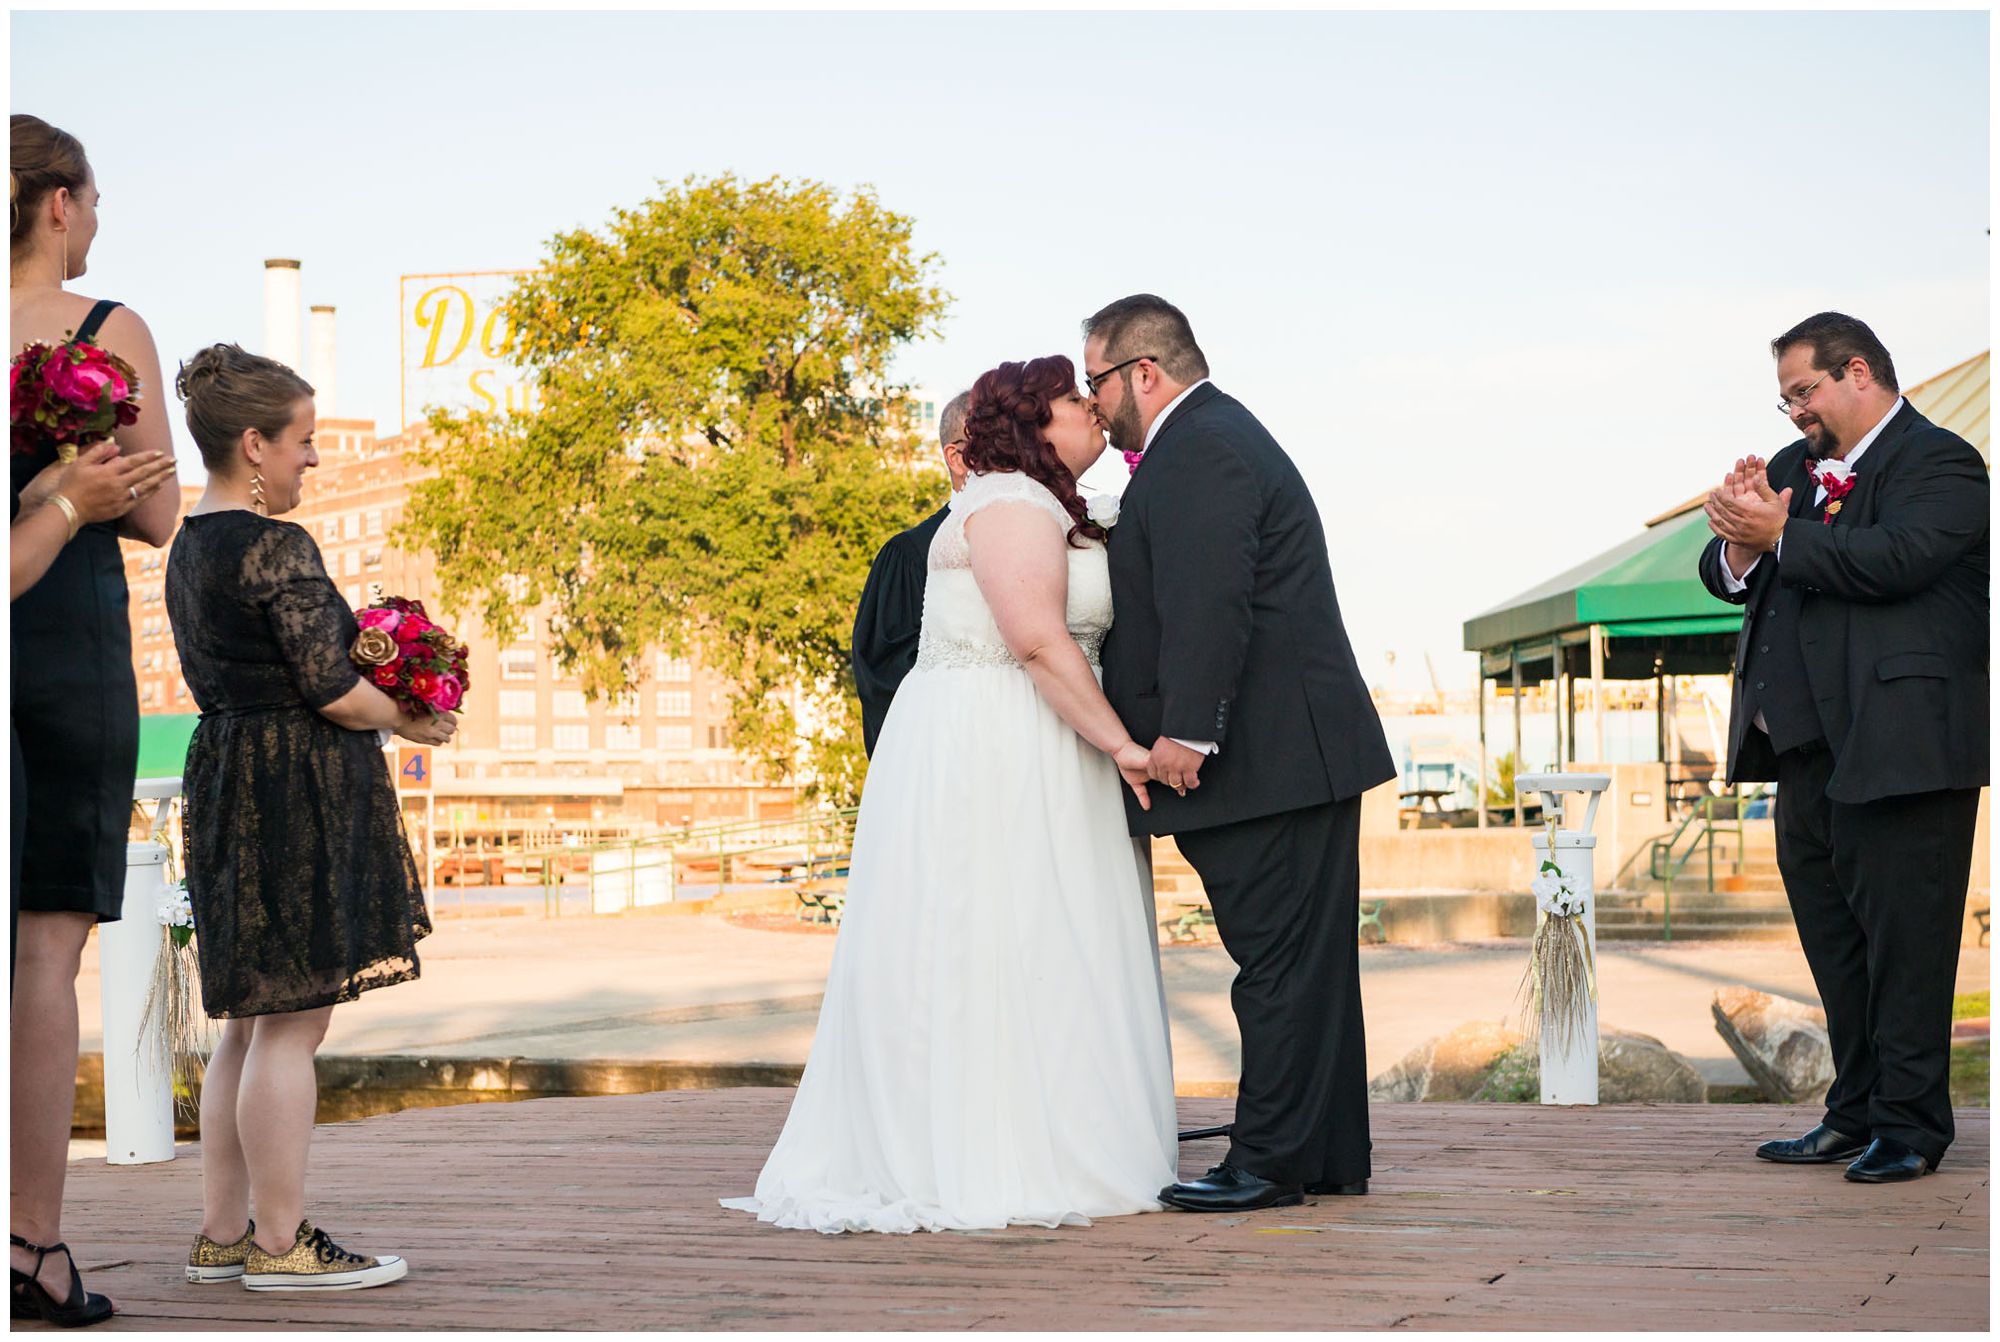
(1102, 509)
(1837, 478)
(1132, 459)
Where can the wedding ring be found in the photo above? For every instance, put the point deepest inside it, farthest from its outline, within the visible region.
(133, 490)
(1181, 791)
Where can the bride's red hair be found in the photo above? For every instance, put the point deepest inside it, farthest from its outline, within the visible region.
(1011, 406)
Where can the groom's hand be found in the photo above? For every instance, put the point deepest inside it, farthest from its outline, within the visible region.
(1175, 765)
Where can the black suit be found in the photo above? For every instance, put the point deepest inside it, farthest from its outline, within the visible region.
(1227, 630)
(888, 621)
(1865, 646)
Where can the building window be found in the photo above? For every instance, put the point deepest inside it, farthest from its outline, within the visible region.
(624, 705)
(149, 694)
(572, 736)
(673, 703)
(350, 527)
(673, 670)
(621, 737)
(181, 692)
(569, 704)
(371, 559)
(718, 736)
(677, 736)
(517, 664)
(353, 594)
(329, 530)
(517, 736)
(374, 522)
(517, 704)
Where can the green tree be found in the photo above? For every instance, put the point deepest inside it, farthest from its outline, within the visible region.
(1500, 790)
(717, 455)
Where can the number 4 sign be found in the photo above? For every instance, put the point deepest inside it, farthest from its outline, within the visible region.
(413, 769)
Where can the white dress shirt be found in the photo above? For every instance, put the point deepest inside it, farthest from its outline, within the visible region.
(1732, 583)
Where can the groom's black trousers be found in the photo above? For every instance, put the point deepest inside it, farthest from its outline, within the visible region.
(1878, 892)
(1286, 891)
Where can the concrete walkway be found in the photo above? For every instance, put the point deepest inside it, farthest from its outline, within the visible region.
(657, 986)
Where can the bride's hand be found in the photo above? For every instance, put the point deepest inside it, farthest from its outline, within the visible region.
(1132, 759)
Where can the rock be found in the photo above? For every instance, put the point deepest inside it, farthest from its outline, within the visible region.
(1484, 1061)
(1451, 1067)
(1780, 1042)
(1635, 1068)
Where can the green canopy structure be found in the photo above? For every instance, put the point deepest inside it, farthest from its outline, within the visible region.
(163, 743)
(1639, 611)
(1642, 597)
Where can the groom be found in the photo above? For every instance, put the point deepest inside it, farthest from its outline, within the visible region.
(1229, 656)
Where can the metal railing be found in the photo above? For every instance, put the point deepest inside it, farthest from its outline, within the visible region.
(648, 869)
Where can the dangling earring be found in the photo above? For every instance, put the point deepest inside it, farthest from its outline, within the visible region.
(63, 278)
(257, 492)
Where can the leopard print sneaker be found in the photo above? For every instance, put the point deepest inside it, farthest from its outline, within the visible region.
(212, 1262)
(316, 1263)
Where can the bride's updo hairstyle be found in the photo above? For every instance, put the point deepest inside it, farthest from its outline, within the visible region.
(1010, 407)
(228, 389)
(40, 159)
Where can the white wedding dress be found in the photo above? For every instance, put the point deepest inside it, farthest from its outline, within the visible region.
(992, 1049)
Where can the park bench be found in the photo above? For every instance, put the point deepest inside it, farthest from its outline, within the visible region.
(822, 899)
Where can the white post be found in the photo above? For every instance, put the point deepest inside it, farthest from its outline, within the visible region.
(138, 1079)
(1569, 1061)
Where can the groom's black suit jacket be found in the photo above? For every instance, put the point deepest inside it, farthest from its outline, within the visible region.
(1226, 628)
(1891, 614)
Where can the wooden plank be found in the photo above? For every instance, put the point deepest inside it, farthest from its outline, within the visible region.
(601, 1214)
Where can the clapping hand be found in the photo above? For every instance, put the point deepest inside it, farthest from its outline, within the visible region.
(100, 484)
(1746, 514)
(433, 729)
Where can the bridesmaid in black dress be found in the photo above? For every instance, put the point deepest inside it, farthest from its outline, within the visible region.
(74, 713)
(303, 887)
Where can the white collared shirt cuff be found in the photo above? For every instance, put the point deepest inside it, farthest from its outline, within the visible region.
(1209, 747)
(1732, 583)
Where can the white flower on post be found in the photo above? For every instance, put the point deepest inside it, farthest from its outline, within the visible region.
(1102, 509)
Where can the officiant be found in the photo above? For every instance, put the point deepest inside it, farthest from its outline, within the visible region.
(891, 614)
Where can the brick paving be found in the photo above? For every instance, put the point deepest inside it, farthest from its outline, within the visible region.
(600, 1214)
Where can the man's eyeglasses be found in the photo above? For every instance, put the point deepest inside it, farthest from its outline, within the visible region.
(1797, 399)
(1092, 381)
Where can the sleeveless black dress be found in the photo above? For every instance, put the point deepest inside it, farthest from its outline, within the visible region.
(75, 714)
(300, 875)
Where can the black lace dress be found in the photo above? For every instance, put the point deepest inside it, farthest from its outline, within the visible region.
(303, 887)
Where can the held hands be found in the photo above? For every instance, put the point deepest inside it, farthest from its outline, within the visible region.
(1131, 760)
(1175, 765)
(100, 484)
(432, 730)
(1746, 514)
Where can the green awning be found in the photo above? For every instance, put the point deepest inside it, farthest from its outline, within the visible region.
(163, 743)
(1646, 584)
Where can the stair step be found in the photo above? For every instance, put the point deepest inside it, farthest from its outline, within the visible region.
(1684, 931)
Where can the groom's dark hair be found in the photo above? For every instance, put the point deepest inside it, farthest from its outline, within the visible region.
(1146, 326)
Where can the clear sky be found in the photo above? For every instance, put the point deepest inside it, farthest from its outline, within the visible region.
(1502, 284)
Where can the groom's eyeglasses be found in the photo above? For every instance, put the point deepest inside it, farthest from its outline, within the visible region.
(1092, 381)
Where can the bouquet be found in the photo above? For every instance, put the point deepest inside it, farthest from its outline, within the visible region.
(413, 661)
(70, 394)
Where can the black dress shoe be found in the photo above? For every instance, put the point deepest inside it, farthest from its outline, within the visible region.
(1821, 1146)
(1228, 1189)
(1359, 1188)
(1888, 1161)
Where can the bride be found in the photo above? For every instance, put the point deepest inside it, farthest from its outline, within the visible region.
(992, 1048)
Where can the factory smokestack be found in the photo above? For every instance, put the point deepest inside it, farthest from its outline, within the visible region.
(323, 370)
(283, 316)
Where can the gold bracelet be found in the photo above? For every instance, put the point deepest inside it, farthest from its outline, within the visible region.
(69, 511)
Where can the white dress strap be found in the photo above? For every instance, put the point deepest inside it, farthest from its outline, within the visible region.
(1008, 487)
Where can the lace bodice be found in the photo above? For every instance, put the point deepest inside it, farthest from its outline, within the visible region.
(959, 630)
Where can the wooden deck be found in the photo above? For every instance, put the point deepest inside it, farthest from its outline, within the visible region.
(601, 1214)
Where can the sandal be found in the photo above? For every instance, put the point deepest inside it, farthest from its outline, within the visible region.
(31, 1299)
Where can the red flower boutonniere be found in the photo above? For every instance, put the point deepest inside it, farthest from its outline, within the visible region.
(1837, 478)
(1132, 460)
